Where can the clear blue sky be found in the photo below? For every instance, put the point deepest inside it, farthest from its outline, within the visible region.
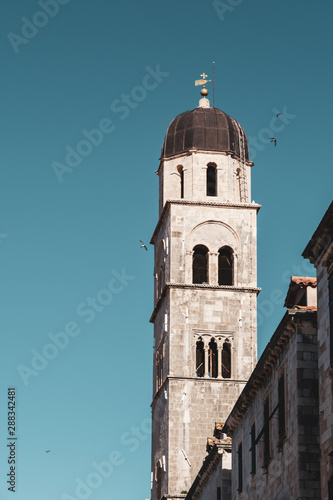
(62, 243)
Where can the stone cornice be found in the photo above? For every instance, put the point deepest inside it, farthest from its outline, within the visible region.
(158, 304)
(267, 361)
(320, 245)
(189, 152)
(191, 286)
(168, 204)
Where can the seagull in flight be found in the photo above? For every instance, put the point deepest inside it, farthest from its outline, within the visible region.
(47, 451)
(273, 140)
(143, 245)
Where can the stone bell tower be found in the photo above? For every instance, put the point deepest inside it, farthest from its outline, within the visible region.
(204, 315)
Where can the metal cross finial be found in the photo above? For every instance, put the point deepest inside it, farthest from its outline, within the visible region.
(203, 81)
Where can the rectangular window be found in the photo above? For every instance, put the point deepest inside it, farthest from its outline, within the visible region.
(267, 444)
(240, 468)
(330, 305)
(282, 408)
(211, 180)
(159, 366)
(219, 493)
(330, 488)
(182, 183)
(253, 450)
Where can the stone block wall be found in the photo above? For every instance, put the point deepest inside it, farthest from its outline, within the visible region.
(325, 380)
(214, 226)
(195, 172)
(292, 470)
(194, 405)
(219, 314)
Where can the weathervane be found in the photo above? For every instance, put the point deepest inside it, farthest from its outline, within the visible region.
(203, 91)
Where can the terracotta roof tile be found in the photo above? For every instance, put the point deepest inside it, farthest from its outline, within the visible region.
(304, 280)
(305, 308)
(296, 284)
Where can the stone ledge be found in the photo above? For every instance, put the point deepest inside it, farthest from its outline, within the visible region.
(215, 287)
(191, 151)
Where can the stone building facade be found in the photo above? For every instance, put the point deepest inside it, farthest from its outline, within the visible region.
(205, 290)
(213, 481)
(274, 424)
(320, 253)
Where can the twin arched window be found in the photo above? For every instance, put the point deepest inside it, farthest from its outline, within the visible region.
(219, 365)
(211, 180)
(225, 265)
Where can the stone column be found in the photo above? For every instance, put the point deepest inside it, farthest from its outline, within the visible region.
(219, 362)
(233, 373)
(213, 268)
(206, 348)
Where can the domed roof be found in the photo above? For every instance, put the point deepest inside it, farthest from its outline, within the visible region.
(207, 129)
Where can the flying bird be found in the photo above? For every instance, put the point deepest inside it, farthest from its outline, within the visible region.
(47, 451)
(273, 140)
(278, 115)
(143, 245)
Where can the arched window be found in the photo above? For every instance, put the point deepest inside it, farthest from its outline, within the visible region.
(181, 175)
(200, 359)
(200, 264)
(211, 180)
(161, 281)
(226, 266)
(212, 359)
(226, 360)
